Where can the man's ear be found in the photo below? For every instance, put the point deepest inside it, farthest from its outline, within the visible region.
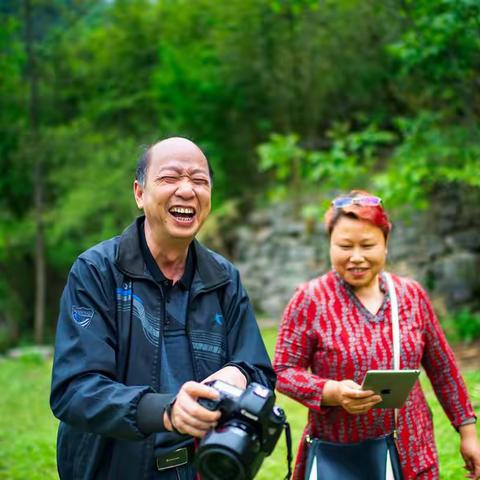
(138, 193)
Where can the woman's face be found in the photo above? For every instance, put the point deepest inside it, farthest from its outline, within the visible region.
(358, 251)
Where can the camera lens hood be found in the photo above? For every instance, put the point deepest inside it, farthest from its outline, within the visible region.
(219, 463)
(229, 452)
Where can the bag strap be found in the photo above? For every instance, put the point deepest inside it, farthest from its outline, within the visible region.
(395, 328)
(288, 439)
(395, 333)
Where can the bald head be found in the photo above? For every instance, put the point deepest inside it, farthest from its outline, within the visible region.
(169, 147)
(172, 145)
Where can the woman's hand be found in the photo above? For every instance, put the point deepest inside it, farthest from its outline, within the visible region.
(470, 450)
(350, 396)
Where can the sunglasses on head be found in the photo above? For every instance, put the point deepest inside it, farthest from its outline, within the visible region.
(361, 200)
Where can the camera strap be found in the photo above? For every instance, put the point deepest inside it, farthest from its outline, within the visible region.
(288, 439)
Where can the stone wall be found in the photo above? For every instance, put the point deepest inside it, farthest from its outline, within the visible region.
(439, 247)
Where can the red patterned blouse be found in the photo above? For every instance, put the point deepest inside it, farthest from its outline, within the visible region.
(326, 333)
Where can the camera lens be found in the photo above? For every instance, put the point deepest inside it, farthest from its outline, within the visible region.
(220, 464)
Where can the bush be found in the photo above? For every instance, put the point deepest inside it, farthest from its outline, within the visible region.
(463, 325)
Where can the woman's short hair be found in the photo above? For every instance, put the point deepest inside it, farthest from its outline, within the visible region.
(374, 214)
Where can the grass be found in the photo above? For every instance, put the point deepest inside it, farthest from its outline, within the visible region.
(28, 429)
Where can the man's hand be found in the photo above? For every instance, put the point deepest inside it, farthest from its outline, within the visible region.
(231, 375)
(350, 396)
(187, 415)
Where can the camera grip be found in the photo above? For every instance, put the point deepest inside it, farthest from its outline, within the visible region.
(209, 404)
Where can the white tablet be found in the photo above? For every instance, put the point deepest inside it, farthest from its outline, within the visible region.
(392, 385)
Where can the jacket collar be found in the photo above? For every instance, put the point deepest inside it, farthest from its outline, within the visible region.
(208, 273)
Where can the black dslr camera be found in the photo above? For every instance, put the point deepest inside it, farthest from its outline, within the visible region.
(246, 433)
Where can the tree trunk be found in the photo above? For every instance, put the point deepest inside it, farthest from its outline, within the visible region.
(40, 271)
(38, 180)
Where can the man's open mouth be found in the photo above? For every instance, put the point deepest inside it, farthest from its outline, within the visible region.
(182, 214)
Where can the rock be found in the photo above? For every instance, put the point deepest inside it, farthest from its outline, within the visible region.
(466, 240)
(456, 278)
(439, 247)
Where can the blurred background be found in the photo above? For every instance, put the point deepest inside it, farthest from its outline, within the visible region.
(293, 101)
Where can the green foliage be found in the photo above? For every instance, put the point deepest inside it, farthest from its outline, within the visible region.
(438, 54)
(12, 61)
(287, 160)
(380, 95)
(6, 306)
(433, 77)
(293, 7)
(102, 67)
(346, 164)
(279, 154)
(351, 156)
(424, 152)
(432, 153)
(12, 97)
(93, 198)
(463, 325)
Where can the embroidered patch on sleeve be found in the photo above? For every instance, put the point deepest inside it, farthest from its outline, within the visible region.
(82, 315)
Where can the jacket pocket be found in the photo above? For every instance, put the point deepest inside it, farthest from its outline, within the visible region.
(209, 351)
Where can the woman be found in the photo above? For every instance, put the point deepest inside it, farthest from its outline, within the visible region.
(338, 326)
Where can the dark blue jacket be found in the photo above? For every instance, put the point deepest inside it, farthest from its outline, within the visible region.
(107, 353)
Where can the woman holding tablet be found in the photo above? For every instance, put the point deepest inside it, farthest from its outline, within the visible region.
(338, 326)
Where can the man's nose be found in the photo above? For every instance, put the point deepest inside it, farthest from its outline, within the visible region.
(185, 188)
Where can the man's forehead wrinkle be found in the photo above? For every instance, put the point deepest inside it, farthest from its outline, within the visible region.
(180, 168)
